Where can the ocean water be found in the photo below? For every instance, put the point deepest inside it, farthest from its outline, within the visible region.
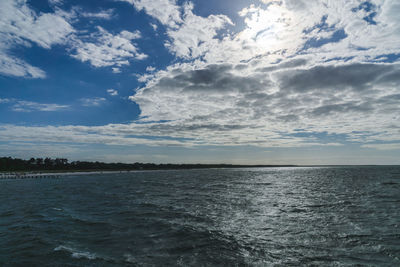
(333, 216)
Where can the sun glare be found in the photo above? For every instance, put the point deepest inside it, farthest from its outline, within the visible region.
(267, 29)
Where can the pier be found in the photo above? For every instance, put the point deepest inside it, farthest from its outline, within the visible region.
(24, 175)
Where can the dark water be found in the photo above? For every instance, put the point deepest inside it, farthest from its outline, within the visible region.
(233, 217)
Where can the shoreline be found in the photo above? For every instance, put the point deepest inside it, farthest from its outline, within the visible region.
(53, 174)
(58, 173)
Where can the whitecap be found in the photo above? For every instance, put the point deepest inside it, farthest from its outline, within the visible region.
(85, 255)
(76, 253)
(58, 209)
(63, 248)
(129, 258)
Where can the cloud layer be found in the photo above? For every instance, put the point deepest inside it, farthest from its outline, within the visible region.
(290, 73)
(318, 66)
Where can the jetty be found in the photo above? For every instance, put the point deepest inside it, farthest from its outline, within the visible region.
(28, 175)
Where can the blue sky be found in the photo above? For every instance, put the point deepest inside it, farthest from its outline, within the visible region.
(263, 81)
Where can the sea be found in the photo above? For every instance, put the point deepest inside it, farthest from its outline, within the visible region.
(294, 216)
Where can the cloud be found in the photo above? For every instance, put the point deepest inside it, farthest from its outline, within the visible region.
(103, 49)
(20, 23)
(150, 68)
(288, 68)
(113, 134)
(393, 146)
(56, 2)
(195, 35)
(4, 100)
(12, 66)
(190, 36)
(165, 11)
(76, 13)
(288, 65)
(180, 94)
(21, 26)
(29, 106)
(339, 77)
(227, 104)
(103, 14)
(112, 92)
(282, 29)
(154, 26)
(93, 102)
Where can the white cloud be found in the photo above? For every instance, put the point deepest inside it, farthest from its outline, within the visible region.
(104, 49)
(112, 92)
(145, 77)
(393, 146)
(103, 14)
(116, 70)
(166, 11)
(12, 66)
(56, 2)
(195, 36)
(113, 134)
(282, 29)
(4, 100)
(29, 106)
(20, 26)
(92, 102)
(20, 23)
(150, 68)
(190, 36)
(154, 26)
(76, 13)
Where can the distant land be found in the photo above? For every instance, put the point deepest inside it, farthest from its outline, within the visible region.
(8, 164)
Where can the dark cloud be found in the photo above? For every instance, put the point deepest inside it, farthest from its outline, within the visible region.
(288, 118)
(356, 76)
(207, 76)
(342, 108)
(390, 78)
(389, 99)
(165, 128)
(217, 78)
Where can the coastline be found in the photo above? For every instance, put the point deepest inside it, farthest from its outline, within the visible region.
(54, 174)
(58, 173)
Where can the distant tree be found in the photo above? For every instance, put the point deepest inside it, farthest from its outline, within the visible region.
(48, 163)
(39, 162)
(59, 162)
(32, 161)
(10, 164)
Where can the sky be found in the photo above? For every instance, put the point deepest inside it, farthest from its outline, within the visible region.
(170, 81)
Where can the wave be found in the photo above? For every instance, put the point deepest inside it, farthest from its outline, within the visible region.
(129, 258)
(76, 253)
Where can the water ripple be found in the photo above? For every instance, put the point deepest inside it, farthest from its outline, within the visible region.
(233, 217)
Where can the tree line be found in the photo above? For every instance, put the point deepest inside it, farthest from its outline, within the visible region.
(62, 164)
